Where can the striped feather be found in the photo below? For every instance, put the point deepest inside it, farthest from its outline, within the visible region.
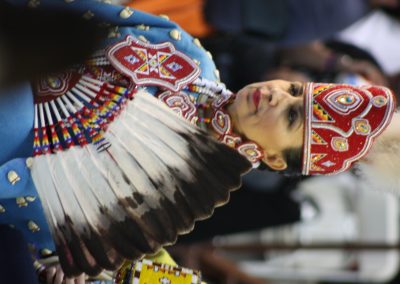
(157, 178)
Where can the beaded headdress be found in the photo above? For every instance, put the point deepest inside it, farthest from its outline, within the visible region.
(341, 123)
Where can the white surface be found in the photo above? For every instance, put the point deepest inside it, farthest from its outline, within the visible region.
(378, 34)
(348, 213)
(378, 212)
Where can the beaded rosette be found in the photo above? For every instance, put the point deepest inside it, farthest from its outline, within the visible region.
(77, 116)
(341, 123)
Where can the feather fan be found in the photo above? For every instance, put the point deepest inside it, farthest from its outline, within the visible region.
(379, 170)
(156, 177)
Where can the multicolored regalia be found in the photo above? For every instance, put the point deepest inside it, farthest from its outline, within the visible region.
(103, 161)
(113, 173)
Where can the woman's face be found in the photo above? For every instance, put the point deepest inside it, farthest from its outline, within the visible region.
(271, 114)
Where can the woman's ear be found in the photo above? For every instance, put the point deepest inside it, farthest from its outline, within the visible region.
(275, 161)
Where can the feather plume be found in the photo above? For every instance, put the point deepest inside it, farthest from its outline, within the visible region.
(158, 175)
(380, 169)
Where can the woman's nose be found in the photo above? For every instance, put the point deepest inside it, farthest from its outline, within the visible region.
(273, 99)
(278, 96)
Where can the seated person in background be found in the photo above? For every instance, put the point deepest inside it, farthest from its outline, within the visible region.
(248, 61)
(333, 57)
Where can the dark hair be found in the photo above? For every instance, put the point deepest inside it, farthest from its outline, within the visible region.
(294, 160)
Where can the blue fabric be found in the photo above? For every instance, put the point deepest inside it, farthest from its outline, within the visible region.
(15, 263)
(16, 111)
(17, 215)
(16, 132)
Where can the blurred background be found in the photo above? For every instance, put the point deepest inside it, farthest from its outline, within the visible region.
(294, 230)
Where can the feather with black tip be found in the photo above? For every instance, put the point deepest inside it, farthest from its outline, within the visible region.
(158, 176)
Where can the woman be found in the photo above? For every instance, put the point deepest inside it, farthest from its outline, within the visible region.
(338, 123)
(119, 176)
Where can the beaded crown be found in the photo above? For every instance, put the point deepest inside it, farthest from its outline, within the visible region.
(341, 123)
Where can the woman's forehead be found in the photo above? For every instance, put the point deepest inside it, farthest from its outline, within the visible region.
(272, 83)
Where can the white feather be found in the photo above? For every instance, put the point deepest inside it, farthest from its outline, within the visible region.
(146, 178)
(380, 169)
(48, 192)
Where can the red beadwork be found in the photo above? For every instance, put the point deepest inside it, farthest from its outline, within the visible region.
(153, 64)
(341, 122)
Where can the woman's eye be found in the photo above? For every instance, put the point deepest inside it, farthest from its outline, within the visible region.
(294, 90)
(292, 116)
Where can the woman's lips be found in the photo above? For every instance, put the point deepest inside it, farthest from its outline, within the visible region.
(256, 98)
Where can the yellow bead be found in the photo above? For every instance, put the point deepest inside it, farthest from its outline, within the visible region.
(196, 61)
(362, 127)
(88, 15)
(175, 34)
(209, 54)
(346, 99)
(141, 27)
(29, 162)
(2, 209)
(30, 198)
(33, 227)
(37, 265)
(380, 101)
(13, 177)
(340, 144)
(126, 13)
(45, 252)
(197, 42)
(21, 202)
(142, 38)
(113, 32)
(53, 82)
(216, 73)
(164, 16)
